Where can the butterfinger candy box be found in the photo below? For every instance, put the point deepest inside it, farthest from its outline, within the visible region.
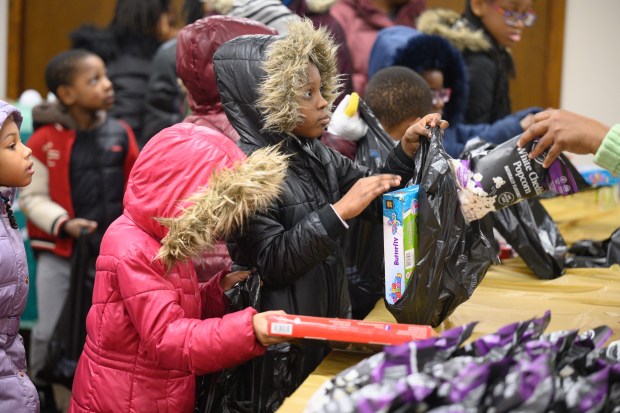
(400, 239)
(351, 331)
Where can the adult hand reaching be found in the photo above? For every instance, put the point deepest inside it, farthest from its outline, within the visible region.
(560, 130)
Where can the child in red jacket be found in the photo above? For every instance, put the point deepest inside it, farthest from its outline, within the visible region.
(152, 327)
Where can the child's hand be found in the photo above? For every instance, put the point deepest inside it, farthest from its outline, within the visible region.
(363, 192)
(229, 280)
(411, 140)
(74, 226)
(259, 322)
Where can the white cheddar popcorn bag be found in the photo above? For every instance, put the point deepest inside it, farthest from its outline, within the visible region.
(505, 175)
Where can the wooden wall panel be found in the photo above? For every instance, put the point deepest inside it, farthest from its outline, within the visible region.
(39, 29)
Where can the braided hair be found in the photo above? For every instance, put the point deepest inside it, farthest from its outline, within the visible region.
(9, 212)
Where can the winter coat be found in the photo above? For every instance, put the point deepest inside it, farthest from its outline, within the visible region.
(164, 104)
(489, 65)
(78, 173)
(17, 393)
(295, 245)
(361, 20)
(152, 327)
(404, 46)
(196, 44)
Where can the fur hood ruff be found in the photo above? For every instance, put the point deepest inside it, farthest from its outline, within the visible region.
(449, 25)
(286, 63)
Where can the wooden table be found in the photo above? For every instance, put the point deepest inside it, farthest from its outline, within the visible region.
(580, 299)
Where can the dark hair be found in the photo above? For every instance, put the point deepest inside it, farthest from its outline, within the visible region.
(193, 10)
(138, 17)
(396, 94)
(60, 70)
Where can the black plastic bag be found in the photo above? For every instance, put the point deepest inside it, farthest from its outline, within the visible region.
(258, 385)
(526, 226)
(590, 253)
(532, 233)
(453, 255)
(363, 243)
(67, 342)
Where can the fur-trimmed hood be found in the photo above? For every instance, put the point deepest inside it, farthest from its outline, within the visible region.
(261, 79)
(404, 46)
(192, 186)
(452, 26)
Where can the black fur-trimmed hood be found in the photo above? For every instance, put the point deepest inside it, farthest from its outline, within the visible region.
(264, 107)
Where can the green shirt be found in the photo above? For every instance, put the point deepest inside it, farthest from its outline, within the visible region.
(608, 154)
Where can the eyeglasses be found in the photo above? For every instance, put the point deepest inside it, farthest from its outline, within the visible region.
(512, 18)
(441, 95)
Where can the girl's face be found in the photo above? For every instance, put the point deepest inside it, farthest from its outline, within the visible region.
(434, 79)
(315, 117)
(504, 19)
(15, 164)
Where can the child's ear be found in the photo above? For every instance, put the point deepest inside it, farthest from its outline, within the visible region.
(66, 94)
(478, 7)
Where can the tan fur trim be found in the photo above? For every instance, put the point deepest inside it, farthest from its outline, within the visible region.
(233, 195)
(440, 22)
(219, 6)
(319, 6)
(286, 65)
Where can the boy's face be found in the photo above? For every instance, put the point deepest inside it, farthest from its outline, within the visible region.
(315, 117)
(91, 89)
(15, 164)
(504, 19)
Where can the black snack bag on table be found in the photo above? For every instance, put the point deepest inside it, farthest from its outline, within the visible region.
(505, 175)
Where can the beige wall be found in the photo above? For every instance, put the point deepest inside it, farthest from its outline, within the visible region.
(591, 67)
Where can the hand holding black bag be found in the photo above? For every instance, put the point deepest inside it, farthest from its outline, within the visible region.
(453, 255)
(67, 342)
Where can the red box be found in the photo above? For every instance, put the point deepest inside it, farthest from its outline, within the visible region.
(340, 329)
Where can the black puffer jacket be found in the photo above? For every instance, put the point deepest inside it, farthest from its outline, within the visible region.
(296, 245)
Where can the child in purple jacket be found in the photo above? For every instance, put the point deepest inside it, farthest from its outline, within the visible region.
(17, 393)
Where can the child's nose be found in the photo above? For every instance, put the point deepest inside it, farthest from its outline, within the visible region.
(322, 102)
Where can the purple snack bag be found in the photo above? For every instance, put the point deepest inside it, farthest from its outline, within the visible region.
(505, 175)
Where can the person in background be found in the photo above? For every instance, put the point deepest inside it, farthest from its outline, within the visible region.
(484, 34)
(318, 12)
(196, 44)
(165, 98)
(442, 67)
(278, 91)
(82, 158)
(362, 19)
(560, 130)
(152, 326)
(17, 393)
(127, 46)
